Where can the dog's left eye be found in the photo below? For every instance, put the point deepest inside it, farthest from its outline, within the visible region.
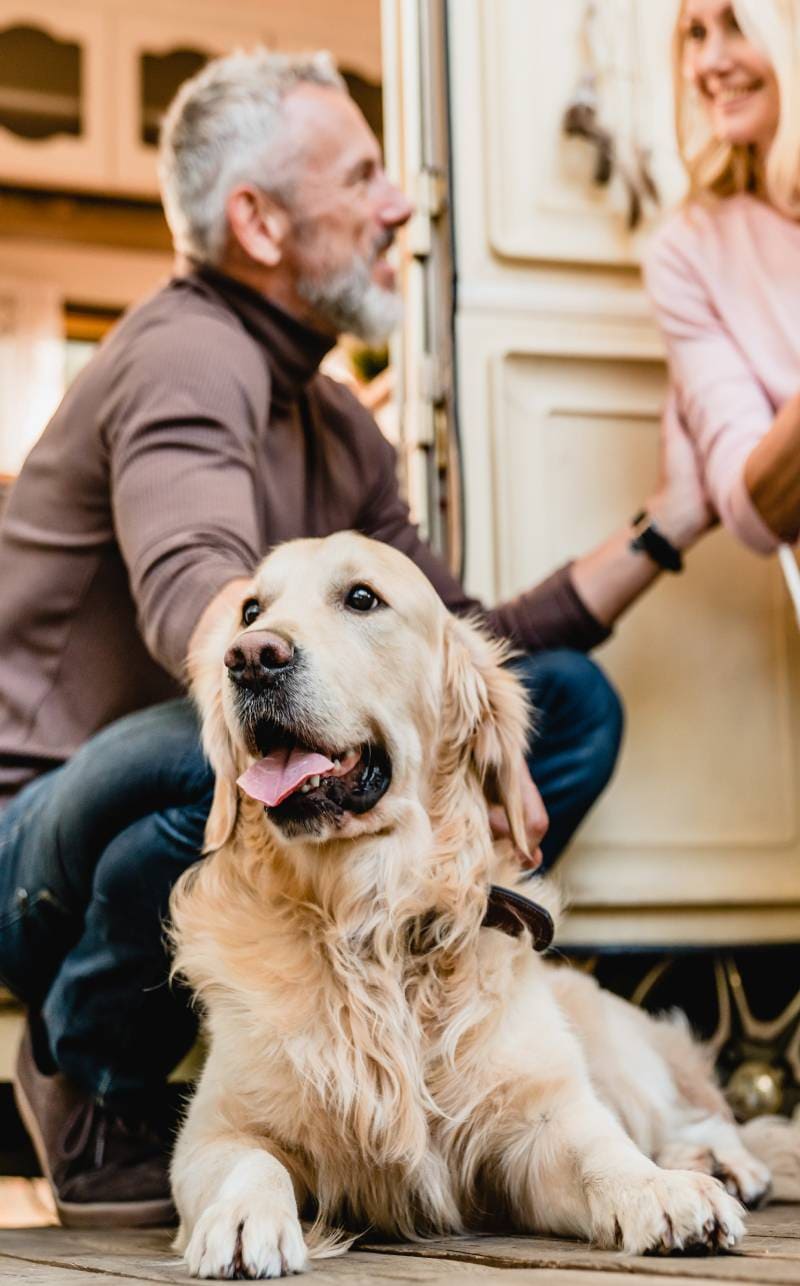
(362, 599)
(251, 610)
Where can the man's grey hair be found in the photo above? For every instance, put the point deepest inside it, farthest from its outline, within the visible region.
(223, 128)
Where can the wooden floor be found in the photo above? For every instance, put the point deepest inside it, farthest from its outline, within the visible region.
(52, 1256)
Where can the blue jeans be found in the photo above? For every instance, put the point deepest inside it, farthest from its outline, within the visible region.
(90, 851)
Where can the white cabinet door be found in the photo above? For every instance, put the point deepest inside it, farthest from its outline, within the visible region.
(54, 125)
(542, 203)
(704, 806)
(561, 382)
(154, 52)
(83, 86)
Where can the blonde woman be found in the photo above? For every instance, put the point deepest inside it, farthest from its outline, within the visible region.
(724, 271)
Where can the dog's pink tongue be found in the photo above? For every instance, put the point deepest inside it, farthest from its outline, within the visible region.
(272, 779)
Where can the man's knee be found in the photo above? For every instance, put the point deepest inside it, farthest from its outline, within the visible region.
(599, 713)
(155, 752)
(576, 705)
(140, 765)
(138, 869)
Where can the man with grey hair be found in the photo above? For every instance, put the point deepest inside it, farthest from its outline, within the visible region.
(227, 126)
(201, 434)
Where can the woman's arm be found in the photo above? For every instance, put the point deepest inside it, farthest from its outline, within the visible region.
(722, 402)
(772, 473)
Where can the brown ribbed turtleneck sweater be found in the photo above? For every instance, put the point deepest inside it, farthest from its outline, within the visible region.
(200, 435)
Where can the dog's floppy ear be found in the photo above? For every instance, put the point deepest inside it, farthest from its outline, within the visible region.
(486, 711)
(206, 670)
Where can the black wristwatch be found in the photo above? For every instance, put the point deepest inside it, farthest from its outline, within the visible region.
(647, 539)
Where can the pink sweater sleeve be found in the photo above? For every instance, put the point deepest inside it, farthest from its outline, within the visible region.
(715, 391)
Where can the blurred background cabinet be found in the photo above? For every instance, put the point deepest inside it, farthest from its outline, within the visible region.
(559, 390)
(55, 88)
(83, 86)
(699, 837)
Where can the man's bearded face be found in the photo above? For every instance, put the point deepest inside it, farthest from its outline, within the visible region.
(344, 213)
(348, 296)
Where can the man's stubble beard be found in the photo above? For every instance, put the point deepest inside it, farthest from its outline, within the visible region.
(351, 303)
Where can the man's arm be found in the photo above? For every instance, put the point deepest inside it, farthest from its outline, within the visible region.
(224, 603)
(181, 431)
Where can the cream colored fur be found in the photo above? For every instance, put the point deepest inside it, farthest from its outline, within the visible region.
(372, 1048)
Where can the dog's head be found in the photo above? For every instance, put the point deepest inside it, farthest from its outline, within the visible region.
(344, 690)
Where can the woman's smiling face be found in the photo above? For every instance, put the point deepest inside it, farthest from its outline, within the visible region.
(735, 81)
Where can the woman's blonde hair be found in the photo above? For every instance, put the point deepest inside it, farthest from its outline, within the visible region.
(725, 169)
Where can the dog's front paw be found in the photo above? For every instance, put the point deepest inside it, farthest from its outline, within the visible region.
(671, 1210)
(743, 1175)
(246, 1239)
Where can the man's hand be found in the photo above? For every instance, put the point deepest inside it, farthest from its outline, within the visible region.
(536, 820)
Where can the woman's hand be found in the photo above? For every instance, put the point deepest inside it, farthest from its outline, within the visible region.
(680, 506)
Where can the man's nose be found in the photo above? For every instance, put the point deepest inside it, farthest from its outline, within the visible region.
(395, 208)
(259, 658)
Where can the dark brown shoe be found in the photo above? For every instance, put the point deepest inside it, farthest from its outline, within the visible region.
(105, 1169)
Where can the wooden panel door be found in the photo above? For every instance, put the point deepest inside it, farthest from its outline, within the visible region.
(54, 65)
(561, 383)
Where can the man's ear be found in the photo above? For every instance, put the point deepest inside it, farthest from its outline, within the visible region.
(486, 713)
(257, 223)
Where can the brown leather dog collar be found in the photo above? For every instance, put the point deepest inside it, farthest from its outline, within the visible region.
(512, 913)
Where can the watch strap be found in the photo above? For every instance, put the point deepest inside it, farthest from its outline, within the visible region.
(647, 539)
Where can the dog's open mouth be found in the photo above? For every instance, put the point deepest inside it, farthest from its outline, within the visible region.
(305, 785)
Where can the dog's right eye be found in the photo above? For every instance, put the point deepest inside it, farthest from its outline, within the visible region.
(251, 610)
(362, 599)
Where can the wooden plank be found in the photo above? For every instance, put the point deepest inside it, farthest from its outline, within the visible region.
(774, 1269)
(775, 1221)
(770, 1253)
(49, 1256)
(23, 1274)
(359, 1268)
(773, 1247)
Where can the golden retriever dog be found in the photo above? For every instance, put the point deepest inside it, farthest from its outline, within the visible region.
(377, 1053)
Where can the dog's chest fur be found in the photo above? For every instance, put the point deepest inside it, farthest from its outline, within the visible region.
(358, 1072)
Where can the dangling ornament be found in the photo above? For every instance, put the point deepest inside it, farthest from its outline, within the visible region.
(583, 118)
(755, 1089)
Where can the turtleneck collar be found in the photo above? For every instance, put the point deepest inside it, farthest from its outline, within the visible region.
(294, 351)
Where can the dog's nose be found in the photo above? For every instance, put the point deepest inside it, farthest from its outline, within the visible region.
(258, 659)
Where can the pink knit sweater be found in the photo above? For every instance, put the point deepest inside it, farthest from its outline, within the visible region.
(725, 283)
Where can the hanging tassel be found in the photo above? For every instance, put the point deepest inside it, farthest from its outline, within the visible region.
(581, 121)
(646, 180)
